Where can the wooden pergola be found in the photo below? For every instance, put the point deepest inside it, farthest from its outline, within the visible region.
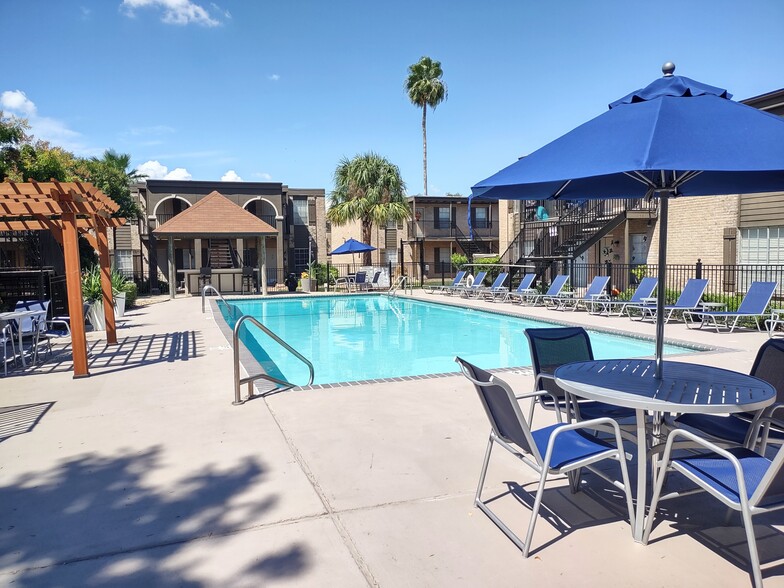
(67, 209)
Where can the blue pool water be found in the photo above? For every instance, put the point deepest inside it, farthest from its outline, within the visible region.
(352, 338)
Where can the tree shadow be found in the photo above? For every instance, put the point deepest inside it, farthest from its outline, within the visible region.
(107, 520)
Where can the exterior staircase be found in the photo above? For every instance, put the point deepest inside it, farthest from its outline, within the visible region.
(578, 227)
(471, 246)
(222, 255)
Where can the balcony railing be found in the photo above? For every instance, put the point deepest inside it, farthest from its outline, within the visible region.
(435, 228)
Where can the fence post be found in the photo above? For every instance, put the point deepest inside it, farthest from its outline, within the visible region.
(698, 269)
(609, 268)
(389, 263)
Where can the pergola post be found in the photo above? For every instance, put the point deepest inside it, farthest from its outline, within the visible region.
(172, 272)
(73, 283)
(106, 284)
(261, 247)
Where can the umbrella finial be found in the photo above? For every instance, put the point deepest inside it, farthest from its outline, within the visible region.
(668, 69)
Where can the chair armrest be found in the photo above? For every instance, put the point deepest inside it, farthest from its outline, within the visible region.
(58, 321)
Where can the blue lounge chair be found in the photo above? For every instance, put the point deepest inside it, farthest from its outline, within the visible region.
(459, 277)
(553, 292)
(497, 289)
(524, 290)
(644, 290)
(688, 300)
(558, 449)
(753, 305)
(469, 285)
(595, 290)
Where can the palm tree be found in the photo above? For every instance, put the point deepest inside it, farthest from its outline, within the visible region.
(425, 88)
(368, 188)
(111, 175)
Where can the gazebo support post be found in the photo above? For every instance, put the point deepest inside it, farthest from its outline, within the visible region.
(73, 283)
(106, 284)
(261, 247)
(172, 272)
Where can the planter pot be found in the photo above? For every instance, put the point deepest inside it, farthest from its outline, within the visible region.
(96, 316)
(119, 304)
(306, 284)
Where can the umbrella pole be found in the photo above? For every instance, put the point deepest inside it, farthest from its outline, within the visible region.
(660, 298)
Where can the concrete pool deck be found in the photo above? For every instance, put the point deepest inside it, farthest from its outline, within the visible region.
(146, 473)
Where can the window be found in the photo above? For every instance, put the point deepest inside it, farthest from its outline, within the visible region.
(300, 259)
(481, 217)
(441, 218)
(761, 245)
(123, 262)
(299, 210)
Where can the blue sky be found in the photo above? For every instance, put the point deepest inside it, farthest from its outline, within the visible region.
(281, 91)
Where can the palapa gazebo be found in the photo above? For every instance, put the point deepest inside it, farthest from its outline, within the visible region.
(67, 209)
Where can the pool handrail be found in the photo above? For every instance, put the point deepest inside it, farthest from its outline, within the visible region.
(238, 382)
(204, 294)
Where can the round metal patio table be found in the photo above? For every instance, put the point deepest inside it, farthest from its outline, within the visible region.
(684, 388)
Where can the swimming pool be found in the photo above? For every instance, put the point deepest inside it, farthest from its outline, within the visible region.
(354, 338)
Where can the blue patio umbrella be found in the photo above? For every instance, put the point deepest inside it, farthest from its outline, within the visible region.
(676, 137)
(353, 246)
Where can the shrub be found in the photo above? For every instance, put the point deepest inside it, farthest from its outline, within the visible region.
(131, 294)
(319, 272)
(491, 269)
(459, 261)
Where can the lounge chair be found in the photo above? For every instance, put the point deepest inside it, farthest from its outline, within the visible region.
(497, 289)
(753, 305)
(459, 277)
(688, 300)
(742, 428)
(739, 478)
(552, 348)
(594, 291)
(523, 290)
(644, 290)
(557, 449)
(469, 285)
(554, 291)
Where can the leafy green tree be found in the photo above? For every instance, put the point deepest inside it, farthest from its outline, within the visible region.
(13, 134)
(112, 175)
(425, 88)
(368, 189)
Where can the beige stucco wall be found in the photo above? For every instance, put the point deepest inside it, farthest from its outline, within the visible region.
(696, 229)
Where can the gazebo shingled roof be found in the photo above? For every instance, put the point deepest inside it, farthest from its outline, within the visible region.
(67, 209)
(215, 216)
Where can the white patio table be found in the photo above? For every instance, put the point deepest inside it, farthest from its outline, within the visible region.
(18, 316)
(684, 387)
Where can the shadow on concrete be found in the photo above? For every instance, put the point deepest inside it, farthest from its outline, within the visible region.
(20, 419)
(129, 353)
(99, 520)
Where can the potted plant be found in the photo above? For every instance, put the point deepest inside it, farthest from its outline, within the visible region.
(93, 294)
(305, 278)
(120, 287)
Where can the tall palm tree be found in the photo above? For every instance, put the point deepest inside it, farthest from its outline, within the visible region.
(111, 174)
(425, 88)
(368, 188)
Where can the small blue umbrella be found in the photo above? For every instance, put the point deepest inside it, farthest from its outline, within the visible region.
(676, 137)
(353, 246)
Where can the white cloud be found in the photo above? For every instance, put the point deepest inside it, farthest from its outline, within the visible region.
(230, 176)
(217, 8)
(178, 173)
(177, 12)
(18, 103)
(153, 170)
(273, 77)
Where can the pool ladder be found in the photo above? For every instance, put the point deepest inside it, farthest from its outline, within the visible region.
(400, 282)
(238, 381)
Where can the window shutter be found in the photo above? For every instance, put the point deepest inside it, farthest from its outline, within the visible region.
(312, 212)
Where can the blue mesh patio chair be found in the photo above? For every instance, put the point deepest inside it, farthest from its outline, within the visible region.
(688, 300)
(552, 348)
(738, 477)
(459, 277)
(558, 449)
(594, 291)
(522, 291)
(553, 291)
(644, 289)
(754, 305)
(496, 289)
(6, 337)
(746, 428)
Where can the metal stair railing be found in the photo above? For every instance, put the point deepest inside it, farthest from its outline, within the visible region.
(204, 295)
(238, 381)
(401, 282)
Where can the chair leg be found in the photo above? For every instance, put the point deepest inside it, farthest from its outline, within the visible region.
(483, 473)
(748, 526)
(535, 512)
